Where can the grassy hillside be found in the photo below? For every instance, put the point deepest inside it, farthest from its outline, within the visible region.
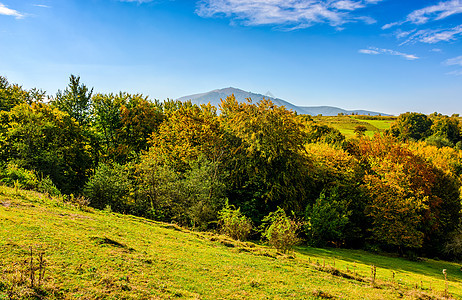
(101, 255)
(347, 124)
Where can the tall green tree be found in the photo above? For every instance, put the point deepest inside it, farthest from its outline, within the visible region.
(75, 100)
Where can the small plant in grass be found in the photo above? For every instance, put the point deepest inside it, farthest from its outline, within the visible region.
(25, 280)
(280, 230)
(233, 223)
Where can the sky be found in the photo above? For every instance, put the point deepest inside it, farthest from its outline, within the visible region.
(390, 56)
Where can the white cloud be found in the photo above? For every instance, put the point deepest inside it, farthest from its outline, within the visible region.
(368, 51)
(10, 12)
(456, 73)
(290, 13)
(42, 5)
(142, 1)
(376, 51)
(456, 61)
(433, 36)
(347, 5)
(435, 12)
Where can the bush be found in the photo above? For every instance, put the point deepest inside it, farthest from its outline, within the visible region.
(233, 223)
(280, 230)
(110, 185)
(12, 175)
(327, 220)
(439, 141)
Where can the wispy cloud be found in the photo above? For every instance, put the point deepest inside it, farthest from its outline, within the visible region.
(42, 5)
(433, 36)
(436, 12)
(439, 11)
(142, 1)
(288, 13)
(456, 61)
(377, 51)
(10, 12)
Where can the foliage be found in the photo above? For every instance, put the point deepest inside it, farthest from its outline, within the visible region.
(280, 230)
(110, 185)
(233, 223)
(448, 128)
(187, 133)
(327, 220)
(41, 138)
(360, 130)
(11, 95)
(192, 198)
(453, 246)
(408, 196)
(75, 100)
(139, 118)
(438, 141)
(267, 168)
(413, 126)
(178, 162)
(12, 175)
(204, 187)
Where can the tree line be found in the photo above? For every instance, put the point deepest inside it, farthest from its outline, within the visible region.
(195, 166)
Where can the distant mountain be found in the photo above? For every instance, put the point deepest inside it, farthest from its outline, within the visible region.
(213, 97)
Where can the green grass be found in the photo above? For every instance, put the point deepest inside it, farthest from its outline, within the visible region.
(347, 124)
(101, 255)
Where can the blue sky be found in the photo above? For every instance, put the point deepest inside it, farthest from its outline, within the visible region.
(390, 56)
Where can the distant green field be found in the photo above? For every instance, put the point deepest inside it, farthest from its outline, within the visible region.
(101, 255)
(347, 124)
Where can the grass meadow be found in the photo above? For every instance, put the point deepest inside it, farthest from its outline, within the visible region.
(90, 254)
(347, 124)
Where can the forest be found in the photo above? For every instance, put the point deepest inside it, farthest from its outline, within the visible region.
(240, 167)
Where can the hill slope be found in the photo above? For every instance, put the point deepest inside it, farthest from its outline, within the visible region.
(213, 97)
(95, 254)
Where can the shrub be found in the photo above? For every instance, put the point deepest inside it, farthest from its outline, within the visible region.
(12, 175)
(110, 185)
(438, 141)
(327, 220)
(280, 230)
(233, 223)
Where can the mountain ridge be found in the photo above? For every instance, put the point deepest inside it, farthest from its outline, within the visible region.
(214, 98)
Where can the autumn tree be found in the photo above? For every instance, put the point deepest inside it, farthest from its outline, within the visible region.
(39, 137)
(335, 216)
(11, 95)
(187, 133)
(139, 118)
(267, 166)
(408, 196)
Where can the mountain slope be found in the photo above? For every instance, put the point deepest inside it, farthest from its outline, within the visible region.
(101, 255)
(213, 97)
